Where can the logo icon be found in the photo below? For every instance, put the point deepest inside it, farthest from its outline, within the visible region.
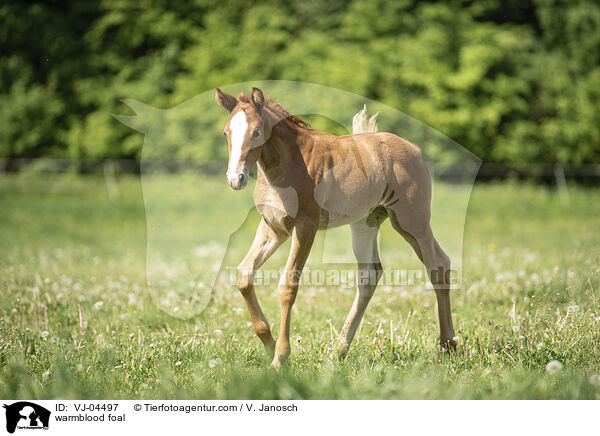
(26, 415)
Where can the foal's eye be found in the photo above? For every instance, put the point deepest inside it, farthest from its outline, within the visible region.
(224, 133)
(256, 133)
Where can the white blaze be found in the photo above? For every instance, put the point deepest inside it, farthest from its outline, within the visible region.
(238, 126)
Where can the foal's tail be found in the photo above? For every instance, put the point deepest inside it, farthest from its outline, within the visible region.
(361, 125)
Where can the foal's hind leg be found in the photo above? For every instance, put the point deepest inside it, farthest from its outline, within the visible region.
(437, 264)
(438, 268)
(265, 243)
(364, 244)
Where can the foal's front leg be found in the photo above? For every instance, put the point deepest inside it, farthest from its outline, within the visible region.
(265, 243)
(302, 240)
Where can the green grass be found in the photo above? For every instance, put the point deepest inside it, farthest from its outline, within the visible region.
(77, 320)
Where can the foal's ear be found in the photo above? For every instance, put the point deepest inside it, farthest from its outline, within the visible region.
(225, 100)
(258, 98)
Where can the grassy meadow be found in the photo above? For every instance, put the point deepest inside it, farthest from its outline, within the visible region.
(77, 319)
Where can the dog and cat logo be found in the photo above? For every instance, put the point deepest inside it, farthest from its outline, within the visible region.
(26, 415)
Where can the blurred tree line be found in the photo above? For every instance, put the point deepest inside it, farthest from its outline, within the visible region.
(513, 81)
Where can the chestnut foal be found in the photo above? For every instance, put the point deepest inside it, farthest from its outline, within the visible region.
(309, 180)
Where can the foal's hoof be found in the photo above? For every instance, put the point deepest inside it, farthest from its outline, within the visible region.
(278, 362)
(449, 345)
(337, 357)
(340, 352)
(276, 365)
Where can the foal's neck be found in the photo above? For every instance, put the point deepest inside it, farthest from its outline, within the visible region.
(281, 155)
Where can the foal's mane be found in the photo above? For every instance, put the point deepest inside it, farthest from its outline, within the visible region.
(279, 110)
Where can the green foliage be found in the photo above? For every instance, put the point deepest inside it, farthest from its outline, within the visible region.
(511, 81)
(29, 113)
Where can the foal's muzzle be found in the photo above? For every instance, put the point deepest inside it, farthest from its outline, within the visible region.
(238, 181)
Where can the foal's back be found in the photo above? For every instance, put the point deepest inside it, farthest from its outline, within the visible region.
(360, 172)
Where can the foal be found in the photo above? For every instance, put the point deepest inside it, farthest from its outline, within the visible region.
(309, 180)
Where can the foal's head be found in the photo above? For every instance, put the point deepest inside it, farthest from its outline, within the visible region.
(245, 132)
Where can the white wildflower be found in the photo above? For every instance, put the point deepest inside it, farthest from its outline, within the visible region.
(595, 379)
(554, 367)
(515, 328)
(529, 257)
(98, 305)
(214, 362)
(178, 363)
(45, 334)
